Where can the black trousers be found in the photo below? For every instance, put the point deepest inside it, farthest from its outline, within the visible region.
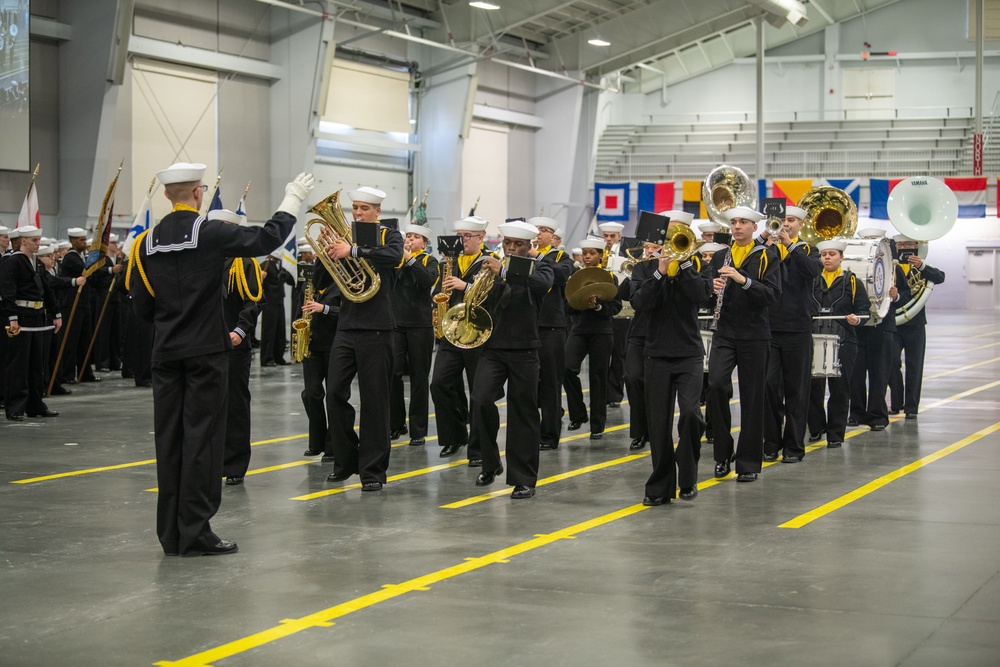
(237, 458)
(314, 370)
(834, 419)
(4, 351)
(142, 356)
(77, 336)
(367, 354)
(413, 348)
(551, 368)
(519, 369)
(671, 379)
(616, 369)
(635, 383)
(450, 404)
(874, 348)
(789, 371)
(190, 402)
(107, 348)
(749, 357)
(911, 339)
(598, 348)
(273, 336)
(25, 377)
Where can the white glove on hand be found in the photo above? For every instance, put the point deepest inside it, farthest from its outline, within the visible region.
(295, 193)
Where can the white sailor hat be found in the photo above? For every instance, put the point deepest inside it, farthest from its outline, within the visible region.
(90, 239)
(301, 241)
(29, 231)
(903, 238)
(225, 215)
(871, 233)
(367, 195)
(591, 242)
(45, 240)
(796, 212)
(76, 232)
(303, 248)
(63, 245)
(832, 244)
(518, 229)
(576, 251)
(541, 221)
(611, 227)
(743, 212)
(559, 233)
(44, 250)
(678, 216)
(14, 233)
(419, 229)
(472, 223)
(711, 247)
(113, 238)
(181, 172)
(4, 231)
(709, 226)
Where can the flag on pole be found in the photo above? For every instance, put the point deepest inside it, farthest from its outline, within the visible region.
(29, 209)
(611, 201)
(879, 189)
(691, 198)
(241, 208)
(656, 197)
(852, 186)
(97, 251)
(287, 254)
(971, 195)
(216, 204)
(791, 189)
(140, 224)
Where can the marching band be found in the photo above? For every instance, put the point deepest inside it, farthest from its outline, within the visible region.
(798, 310)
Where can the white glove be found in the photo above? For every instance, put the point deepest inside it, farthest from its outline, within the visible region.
(295, 193)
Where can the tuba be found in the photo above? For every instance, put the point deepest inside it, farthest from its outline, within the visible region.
(924, 209)
(469, 325)
(831, 214)
(724, 188)
(357, 280)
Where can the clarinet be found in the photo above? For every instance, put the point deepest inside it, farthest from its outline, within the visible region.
(719, 292)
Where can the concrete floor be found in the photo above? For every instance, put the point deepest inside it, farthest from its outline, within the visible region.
(581, 574)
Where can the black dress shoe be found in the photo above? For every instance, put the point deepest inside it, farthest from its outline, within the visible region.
(312, 452)
(60, 390)
(339, 476)
(614, 404)
(637, 444)
(911, 415)
(451, 450)
(877, 427)
(746, 477)
(416, 442)
(144, 385)
(371, 486)
(770, 457)
(281, 362)
(653, 501)
(815, 437)
(327, 458)
(851, 421)
(833, 444)
(522, 492)
(486, 478)
(269, 363)
(475, 463)
(234, 481)
(92, 378)
(689, 494)
(710, 440)
(575, 426)
(597, 436)
(46, 413)
(103, 369)
(791, 459)
(16, 418)
(220, 548)
(894, 412)
(395, 433)
(548, 445)
(722, 469)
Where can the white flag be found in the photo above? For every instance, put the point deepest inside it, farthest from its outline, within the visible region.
(29, 209)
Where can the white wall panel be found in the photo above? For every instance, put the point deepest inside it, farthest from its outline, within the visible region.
(484, 172)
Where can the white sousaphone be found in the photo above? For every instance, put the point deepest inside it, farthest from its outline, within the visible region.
(924, 209)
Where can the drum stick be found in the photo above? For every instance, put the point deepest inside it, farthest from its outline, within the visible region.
(838, 317)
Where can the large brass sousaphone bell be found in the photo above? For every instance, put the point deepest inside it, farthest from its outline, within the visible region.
(724, 188)
(831, 214)
(588, 282)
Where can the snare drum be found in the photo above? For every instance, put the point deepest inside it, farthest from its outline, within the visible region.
(826, 356)
(706, 340)
(871, 261)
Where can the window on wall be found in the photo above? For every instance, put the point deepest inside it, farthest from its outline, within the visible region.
(869, 93)
(368, 97)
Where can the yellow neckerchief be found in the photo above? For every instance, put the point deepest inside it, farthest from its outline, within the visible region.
(465, 262)
(830, 276)
(906, 269)
(783, 251)
(544, 251)
(238, 279)
(674, 267)
(184, 207)
(740, 253)
(134, 261)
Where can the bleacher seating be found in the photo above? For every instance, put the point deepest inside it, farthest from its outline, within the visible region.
(823, 149)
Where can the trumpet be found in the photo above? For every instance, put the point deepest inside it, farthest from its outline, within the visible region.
(357, 280)
(774, 225)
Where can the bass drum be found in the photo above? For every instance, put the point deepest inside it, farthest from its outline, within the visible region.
(871, 261)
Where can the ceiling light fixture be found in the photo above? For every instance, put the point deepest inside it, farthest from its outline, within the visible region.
(484, 5)
(597, 41)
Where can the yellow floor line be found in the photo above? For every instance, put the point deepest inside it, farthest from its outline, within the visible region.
(325, 618)
(874, 485)
(963, 368)
(971, 349)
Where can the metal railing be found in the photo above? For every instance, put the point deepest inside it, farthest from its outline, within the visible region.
(808, 116)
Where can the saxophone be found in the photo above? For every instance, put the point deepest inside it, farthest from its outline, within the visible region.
(441, 300)
(302, 328)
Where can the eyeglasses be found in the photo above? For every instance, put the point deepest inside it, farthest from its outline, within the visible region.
(203, 187)
(469, 236)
